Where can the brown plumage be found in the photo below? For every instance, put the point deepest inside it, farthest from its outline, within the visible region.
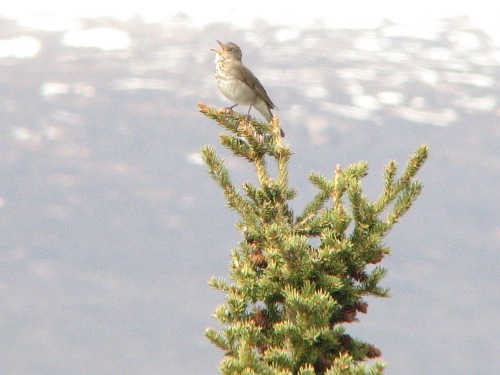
(238, 83)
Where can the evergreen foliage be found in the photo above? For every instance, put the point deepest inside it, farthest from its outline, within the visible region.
(289, 300)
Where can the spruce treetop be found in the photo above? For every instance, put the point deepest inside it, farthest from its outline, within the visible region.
(299, 279)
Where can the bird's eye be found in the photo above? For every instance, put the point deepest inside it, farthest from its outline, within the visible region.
(230, 49)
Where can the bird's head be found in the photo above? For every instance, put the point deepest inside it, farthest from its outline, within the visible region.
(228, 51)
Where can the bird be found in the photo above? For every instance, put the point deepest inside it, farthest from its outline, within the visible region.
(238, 83)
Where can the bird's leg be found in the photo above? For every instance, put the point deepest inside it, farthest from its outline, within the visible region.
(248, 113)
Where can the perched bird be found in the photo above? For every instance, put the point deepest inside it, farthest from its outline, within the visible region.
(238, 83)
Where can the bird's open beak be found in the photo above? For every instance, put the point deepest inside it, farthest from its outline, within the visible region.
(217, 50)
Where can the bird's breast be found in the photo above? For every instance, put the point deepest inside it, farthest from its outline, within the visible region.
(232, 87)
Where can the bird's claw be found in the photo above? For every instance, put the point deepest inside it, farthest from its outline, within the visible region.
(227, 109)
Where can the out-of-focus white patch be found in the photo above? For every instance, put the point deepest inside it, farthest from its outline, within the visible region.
(442, 117)
(51, 89)
(21, 47)
(24, 134)
(103, 38)
(347, 111)
(316, 92)
(369, 42)
(367, 102)
(481, 104)
(195, 158)
(287, 33)
(479, 80)
(135, 83)
(390, 97)
(54, 88)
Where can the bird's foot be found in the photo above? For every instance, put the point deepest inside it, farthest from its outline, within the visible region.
(227, 109)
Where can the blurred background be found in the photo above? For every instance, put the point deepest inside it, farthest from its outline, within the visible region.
(110, 226)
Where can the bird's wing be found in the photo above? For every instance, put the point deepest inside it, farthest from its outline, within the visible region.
(251, 80)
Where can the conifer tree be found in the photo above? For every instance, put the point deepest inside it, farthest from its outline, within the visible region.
(297, 280)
